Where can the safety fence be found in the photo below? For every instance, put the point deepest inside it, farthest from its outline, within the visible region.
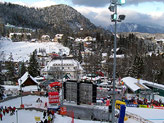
(137, 118)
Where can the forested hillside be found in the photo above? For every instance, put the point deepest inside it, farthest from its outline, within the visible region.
(53, 19)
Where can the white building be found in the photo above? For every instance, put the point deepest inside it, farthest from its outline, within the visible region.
(45, 38)
(20, 36)
(58, 37)
(69, 67)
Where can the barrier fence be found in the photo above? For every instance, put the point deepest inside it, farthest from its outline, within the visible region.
(137, 118)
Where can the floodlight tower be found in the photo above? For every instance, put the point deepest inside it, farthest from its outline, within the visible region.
(115, 18)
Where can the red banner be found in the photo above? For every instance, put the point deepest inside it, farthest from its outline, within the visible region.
(107, 102)
(158, 107)
(53, 97)
(63, 110)
(55, 84)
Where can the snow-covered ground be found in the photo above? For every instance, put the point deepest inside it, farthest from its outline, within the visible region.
(27, 116)
(21, 50)
(154, 115)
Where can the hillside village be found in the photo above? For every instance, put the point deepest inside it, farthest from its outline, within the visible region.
(58, 63)
(70, 63)
(84, 49)
(82, 52)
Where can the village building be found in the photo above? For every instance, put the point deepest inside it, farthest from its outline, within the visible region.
(58, 37)
(66, 67)
(45, 38)
(27, 80)
(143, 88)
(89, 38)
(20, 36)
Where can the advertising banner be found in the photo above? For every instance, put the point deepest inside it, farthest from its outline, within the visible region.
(53, 97)
(158, 107)
(132, 105)
(107, 102)
(122, 114)
(63, 110)
(37, 119)
(143, 106)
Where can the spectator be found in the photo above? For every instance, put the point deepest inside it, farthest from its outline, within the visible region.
(44, 114)
(1, 116)
(45, 121)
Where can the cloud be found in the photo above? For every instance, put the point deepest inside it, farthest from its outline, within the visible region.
(98, 16)
(95, 3)
(21, 3)
(43, 3)
(101, 16)
(135, 2)
(100, 3)
(39, 4)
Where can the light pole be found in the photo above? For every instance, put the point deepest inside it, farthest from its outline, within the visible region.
(62, 93)
(16, 115)
(115, 19)
(21, 91)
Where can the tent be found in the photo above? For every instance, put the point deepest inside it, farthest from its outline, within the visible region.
(55, 84)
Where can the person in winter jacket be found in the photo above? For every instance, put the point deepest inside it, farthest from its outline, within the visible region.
(44, 114)
(45, 121)
(4, 112)
(1, 116)
(49, 119)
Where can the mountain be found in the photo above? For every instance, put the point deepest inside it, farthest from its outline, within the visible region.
(132, 27)
(54, 19)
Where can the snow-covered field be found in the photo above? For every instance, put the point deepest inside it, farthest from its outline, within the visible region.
(26, 116)
(154, 115)
(21, 50)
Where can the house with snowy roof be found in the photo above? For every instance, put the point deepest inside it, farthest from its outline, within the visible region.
(45, 38)
(58, 67)
(143, 86)
(19, 36)
(89, 38)
(134, 85)
(27, 80)
(58, 37)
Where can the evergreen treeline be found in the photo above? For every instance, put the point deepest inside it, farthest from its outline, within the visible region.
(49, 20)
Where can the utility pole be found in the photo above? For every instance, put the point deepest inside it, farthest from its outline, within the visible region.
(62, 93)
(21, 91)
(115, 19)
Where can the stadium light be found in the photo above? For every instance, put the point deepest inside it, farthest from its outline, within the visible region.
(122, 1)
(121, 17)
(114, 17)
(111, 7)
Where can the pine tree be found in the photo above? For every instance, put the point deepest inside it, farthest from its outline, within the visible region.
(10, 68)
(33, 67)
(137, 68)
(23, 69)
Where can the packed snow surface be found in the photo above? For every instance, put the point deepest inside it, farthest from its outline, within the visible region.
(154, 115)
(21, 50)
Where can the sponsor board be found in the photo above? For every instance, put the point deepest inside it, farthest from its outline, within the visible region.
(53, 97)
(132, 105)
(143, 106)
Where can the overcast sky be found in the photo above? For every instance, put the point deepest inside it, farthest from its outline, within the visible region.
(136, 11)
